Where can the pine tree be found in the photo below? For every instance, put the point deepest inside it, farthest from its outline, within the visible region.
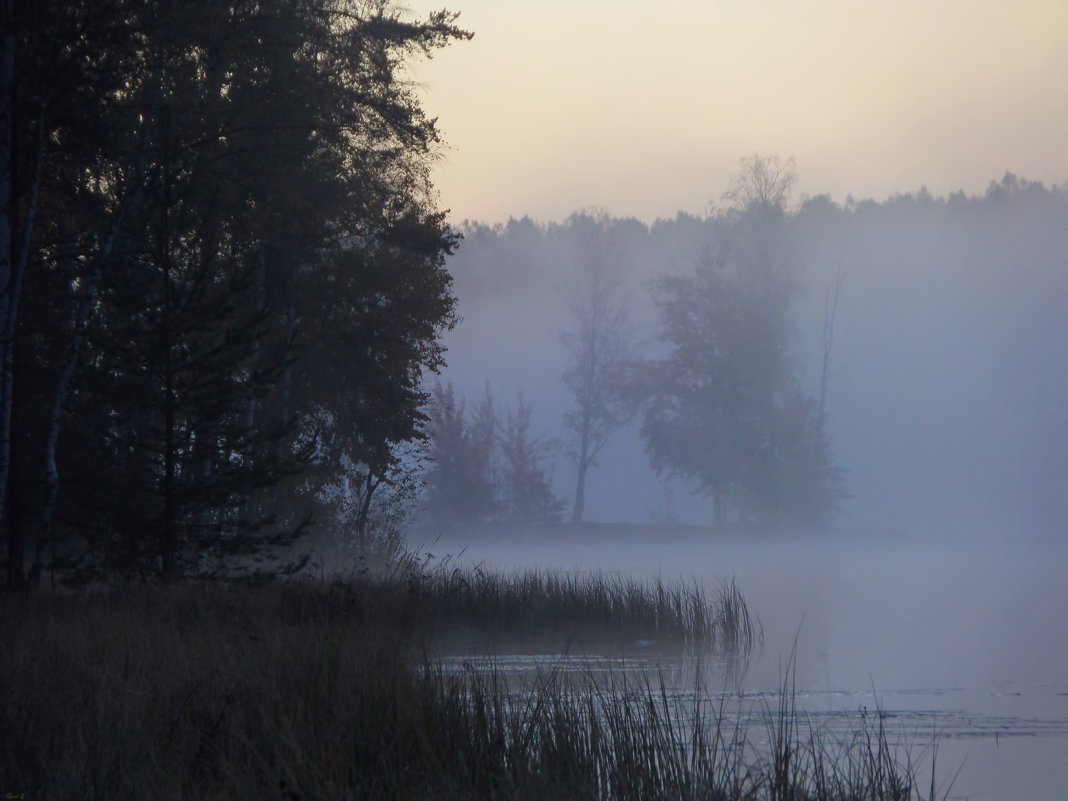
(527, 495)
(460, 486)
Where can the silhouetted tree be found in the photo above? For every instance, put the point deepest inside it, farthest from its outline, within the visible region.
(218, 177)
(526, 493)
(598, 343)
(482, 471)
(724, 407)
(460, 484)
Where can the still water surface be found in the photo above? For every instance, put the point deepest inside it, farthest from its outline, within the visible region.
(963, 639)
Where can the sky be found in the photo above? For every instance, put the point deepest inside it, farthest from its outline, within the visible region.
(644, 109)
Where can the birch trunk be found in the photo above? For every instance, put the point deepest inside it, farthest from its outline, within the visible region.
(10, 292)
(55, 416)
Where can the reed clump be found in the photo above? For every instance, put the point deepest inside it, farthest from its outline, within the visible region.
(328, 690)
(581, 612)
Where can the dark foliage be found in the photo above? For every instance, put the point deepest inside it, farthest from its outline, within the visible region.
(234, 276)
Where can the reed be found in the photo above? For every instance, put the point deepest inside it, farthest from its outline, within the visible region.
(327, 690)
(587, 612)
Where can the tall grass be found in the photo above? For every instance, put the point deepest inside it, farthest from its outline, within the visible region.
(476, 611)
(585, 612)
(326, 691)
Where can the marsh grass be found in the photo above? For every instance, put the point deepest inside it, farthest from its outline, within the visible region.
(581, 613)
(328, 690)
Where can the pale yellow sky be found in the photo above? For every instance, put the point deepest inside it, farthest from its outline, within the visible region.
(644, 109)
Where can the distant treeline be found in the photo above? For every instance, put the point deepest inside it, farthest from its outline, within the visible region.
(779, 355)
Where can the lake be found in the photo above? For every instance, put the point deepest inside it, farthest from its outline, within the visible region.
(961, 638)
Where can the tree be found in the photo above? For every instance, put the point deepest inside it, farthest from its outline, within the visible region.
(598, 344)
(461, 484)
(762, 183)
(724, 407)
(363, 359)
(218, 177)
(482, 471)
(527, 495)
(377, 507)
(483, 435)
(55, 124)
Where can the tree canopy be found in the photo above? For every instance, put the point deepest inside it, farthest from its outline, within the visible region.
(232, 271)
(724, 407)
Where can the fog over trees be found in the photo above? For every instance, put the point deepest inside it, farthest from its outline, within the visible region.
(601, 347)
(910, 353)
(226, 288)
(724, 408)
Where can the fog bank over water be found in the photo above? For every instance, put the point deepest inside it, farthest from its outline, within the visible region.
(937, 594)
(947, 395)
(900, 611)
(968, 640)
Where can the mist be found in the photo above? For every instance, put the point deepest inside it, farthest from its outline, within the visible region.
(959, 646)
(295, 467)
(946, 393)
(936, 328)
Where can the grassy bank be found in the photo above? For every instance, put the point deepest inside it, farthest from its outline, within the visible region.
(329, 690)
